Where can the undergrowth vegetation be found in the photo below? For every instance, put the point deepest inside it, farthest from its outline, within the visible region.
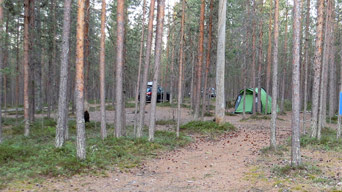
(35, 157)
(207, 128)
(22, 157)
(328, 141)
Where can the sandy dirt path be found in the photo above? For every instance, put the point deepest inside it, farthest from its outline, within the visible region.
(204, 165)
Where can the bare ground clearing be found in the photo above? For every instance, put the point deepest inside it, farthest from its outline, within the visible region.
(231, 163)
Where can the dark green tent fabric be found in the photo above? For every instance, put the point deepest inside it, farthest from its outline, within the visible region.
(249, 101)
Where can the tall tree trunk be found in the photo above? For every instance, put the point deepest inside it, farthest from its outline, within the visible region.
(145, 74)
(206, 94)
(157, 54)
(246, 58)
(32, 59)
(306, 62)
(172, 67)
(62, 102)
(5, 62)
(139, 69)
(285, 61)
(17, 72)
(26, 67)
(1, 61)
(38, 60)
(275, 75)
(119, 68)
(220, 64)
(261, 57)
(180, 69)
(332, 72)
(200, 62)
(324, 74)
(102, 71)
(86, 49)
(253, 58)
(295, 123)
(269, 57)
(317, 68)
(79, 91)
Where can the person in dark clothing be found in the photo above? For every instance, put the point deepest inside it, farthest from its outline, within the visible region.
(86, 116)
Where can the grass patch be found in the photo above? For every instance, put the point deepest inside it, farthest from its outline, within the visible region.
(129, 105)
(110, 108)
(328, 141)
(208, 114)
(207, 128)
(303, 170)
(230, 114)
(332, 120)
(34, 157)
(167, 104)
(166, 122)
(269, 150)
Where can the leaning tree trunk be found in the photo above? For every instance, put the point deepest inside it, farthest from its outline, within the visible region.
(145, 74)
(180, 69)
(200, 62)
(295, 123)
(79, 91)
(317, 68)
(157, 54)
(275, 75)
(119, 68)
(220, 64)
(26, 68)
(63, 85)
(102, 71)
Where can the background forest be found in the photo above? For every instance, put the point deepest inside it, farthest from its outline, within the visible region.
(62, 58)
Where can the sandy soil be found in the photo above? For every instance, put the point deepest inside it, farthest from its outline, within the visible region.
(231, 163)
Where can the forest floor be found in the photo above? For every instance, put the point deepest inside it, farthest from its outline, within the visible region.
(236, 161)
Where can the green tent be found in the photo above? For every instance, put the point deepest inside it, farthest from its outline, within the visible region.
(249, 101)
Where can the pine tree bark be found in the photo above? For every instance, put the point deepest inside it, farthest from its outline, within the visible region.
(26, 67)
(261, 57)
(62, 102)
(139, 69)
(200, 62)
(172, 67)
(269, 57)
(324, 74)
(119, 68)
(317, 68)
(180, 69)
(157, 59)
(86, 49)
(220, 64)
(253, 59)
(145, 74)
(80, 126)
(31, 60)
(206, 94)
(102, 71)
(284, 65)
(306, 62)
(332, 66)
(295, 123)
(1, 62)
(275, 75)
